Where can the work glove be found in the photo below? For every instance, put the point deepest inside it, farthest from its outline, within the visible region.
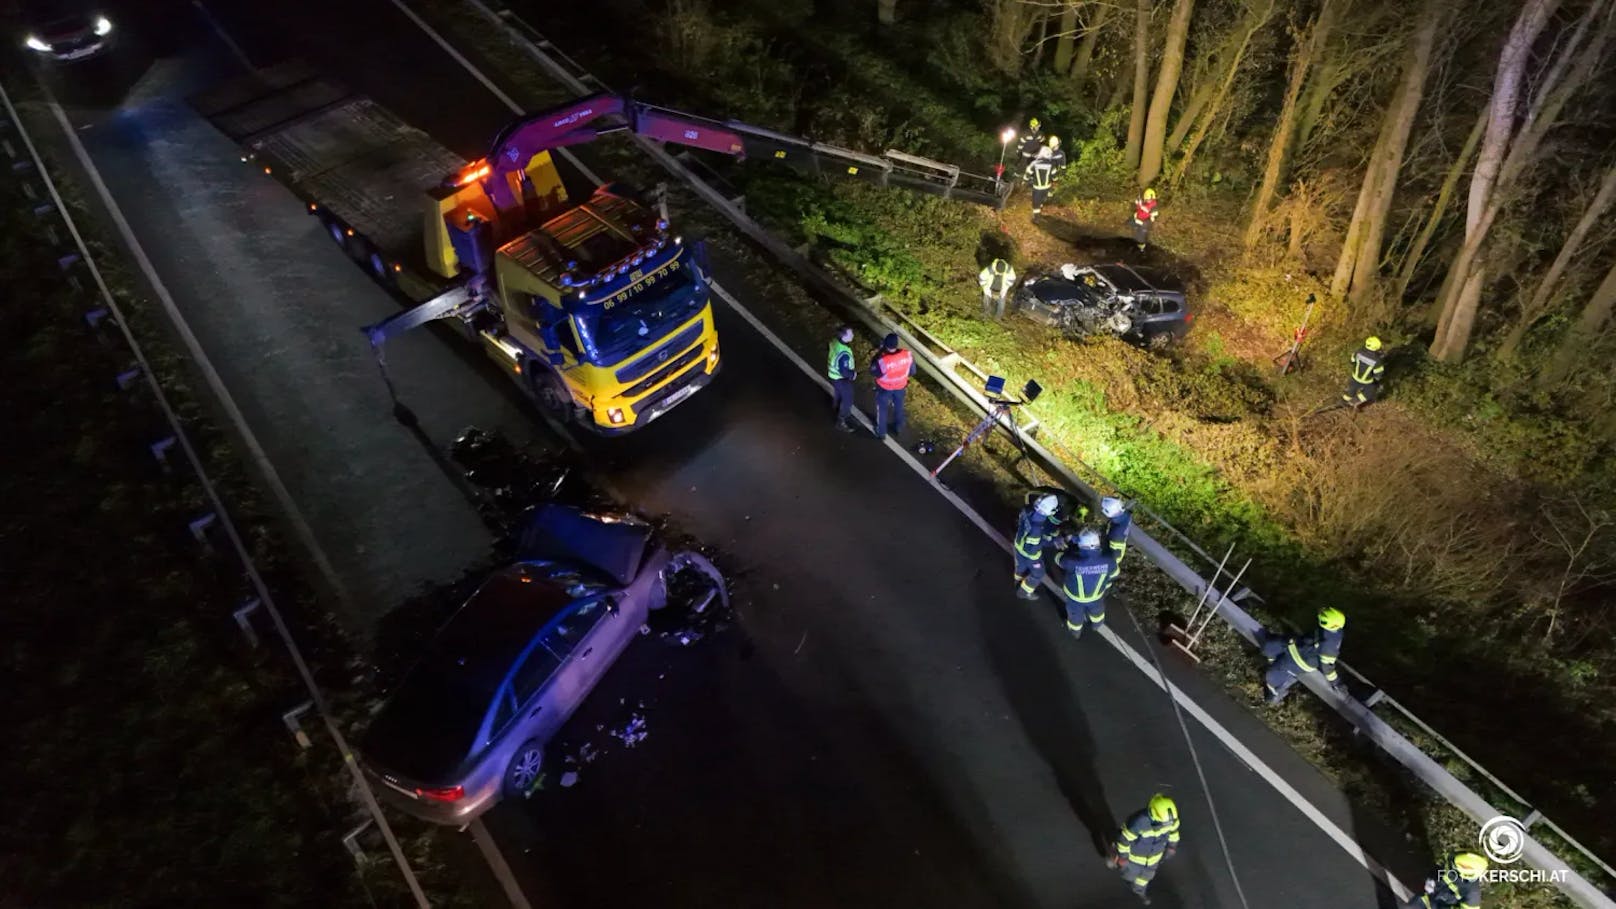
(1430, 885)
(1118, 861)
(1171, 850)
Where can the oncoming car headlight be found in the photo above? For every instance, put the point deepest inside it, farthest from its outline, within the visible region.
(33, 43)
(103, 26)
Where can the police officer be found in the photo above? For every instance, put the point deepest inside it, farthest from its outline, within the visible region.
(1294, 657)
(1031, 141)
(1118, 522)
(1149, 837)
(1455, 885)
(1033, 527)
(1089, 573)
(996, 280)
(892, 368)
(1367, 367)
(1041, 178)
(842, 372)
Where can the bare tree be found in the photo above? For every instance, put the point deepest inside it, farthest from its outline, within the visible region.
(1161, 102)
(1308, 43)
(1595, 317)
(1360, 255)
(1065, 36)
(1258, 12)
(1439, 207)
(1508, 151)
(1580, 540)
(1538, 305)
(1141, 85)
(1010, 27)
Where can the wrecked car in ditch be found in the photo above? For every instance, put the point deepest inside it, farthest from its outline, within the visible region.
(1140, 305)
(468, 725)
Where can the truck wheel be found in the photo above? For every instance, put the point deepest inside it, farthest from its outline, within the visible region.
(552, 397)
(338, 233)
(379, 269)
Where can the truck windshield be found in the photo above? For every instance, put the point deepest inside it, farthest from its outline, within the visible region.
(609, 335)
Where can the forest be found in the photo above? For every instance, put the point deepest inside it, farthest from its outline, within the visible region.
(1437, 173)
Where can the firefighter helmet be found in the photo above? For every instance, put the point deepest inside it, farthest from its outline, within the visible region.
(1150, 194)
(1469, 865)
(1372, 342)
(1110, 506)
(1163, 809)
(1046, 506)
(1088, 539)
(1332, 619)
(1033, 124)
(1054, 142)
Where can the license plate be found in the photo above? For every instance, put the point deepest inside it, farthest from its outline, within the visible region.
(669, 404)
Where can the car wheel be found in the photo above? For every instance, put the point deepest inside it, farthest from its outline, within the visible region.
(525, 770)
(1161, 340)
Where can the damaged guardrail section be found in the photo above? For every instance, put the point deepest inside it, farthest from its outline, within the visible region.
(943, 365)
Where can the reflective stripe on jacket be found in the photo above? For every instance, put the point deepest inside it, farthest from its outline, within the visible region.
(892, 370)
(1041, 173)
(1088, 575)
(1116, 535)
(997, 277)
(1366, 367)
(840, 365)
(1142, 840)
(1144, 210)
(1030, 529)
(1329, 650)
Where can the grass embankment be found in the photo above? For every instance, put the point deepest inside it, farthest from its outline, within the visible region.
(1199, 436)
(148, 761)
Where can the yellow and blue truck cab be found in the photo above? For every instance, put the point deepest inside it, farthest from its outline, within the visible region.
(602, 312)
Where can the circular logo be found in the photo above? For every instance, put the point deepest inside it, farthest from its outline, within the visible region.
(1503, 839)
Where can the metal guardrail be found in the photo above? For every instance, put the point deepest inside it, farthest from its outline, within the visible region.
(943, 363)
(219, 516)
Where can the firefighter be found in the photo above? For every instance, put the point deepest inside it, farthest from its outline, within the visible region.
(1367, 367)
(1041, 177)
(1118, 522)
(1034, 526)
(842, 372)
(1056, 155)
(1089, 572)
(1031, 141)
(1144, 217)
(1294, 657)
(1149, 837)
(1455, 885)
(996, 280)
(892, 368)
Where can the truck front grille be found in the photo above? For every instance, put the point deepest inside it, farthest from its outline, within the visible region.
(665, 352)
(662, 375)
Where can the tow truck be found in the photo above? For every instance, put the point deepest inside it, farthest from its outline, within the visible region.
(597, 309)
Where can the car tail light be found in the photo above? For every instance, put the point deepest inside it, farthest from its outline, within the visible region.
(1189, 316)
(451, 794)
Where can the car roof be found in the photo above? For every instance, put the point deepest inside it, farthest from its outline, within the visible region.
(612, 544)
(430, 722)
(1128, 279)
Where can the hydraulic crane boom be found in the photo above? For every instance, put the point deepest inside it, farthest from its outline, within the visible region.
(589, 118)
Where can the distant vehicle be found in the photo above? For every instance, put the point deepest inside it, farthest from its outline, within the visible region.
(1141, 306)
(469, 723)
(65, 30)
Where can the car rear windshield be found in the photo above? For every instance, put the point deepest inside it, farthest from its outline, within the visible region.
(429, 724)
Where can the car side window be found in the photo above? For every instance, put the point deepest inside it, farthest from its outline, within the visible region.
(504, 711)
(534, 672)
(1153, 306)
(1169, 305)
(574, 626)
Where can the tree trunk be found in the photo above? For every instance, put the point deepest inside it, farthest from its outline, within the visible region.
(1039, 45)
(1572, 66)
(1141, 85)
(1308, 48)
(1595, 317)
(1161, 102)
(1538, 305)
(1440, 207)
(1191, 113)
(1065, 37)
(1399, 123)
(1085, 47)
(1254, 24)
(886, 12)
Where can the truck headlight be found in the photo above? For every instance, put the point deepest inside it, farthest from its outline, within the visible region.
(103, 26)
(615, 415)
(712, 357)
(33, 43)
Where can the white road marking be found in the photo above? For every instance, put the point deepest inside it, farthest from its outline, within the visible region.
(300, 525)
(1330, 828)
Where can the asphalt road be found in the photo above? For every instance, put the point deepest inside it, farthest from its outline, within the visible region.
(886, 725)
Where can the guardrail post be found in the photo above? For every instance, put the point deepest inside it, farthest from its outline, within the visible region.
(160, 449)
(1531, 818)
(351, 841)
(199, 528)
(1375, 697)
(243, 617)
(292, 718)
(126, 379)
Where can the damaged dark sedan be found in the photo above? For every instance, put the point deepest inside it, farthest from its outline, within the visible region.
(1139, 305)
(469, 723)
